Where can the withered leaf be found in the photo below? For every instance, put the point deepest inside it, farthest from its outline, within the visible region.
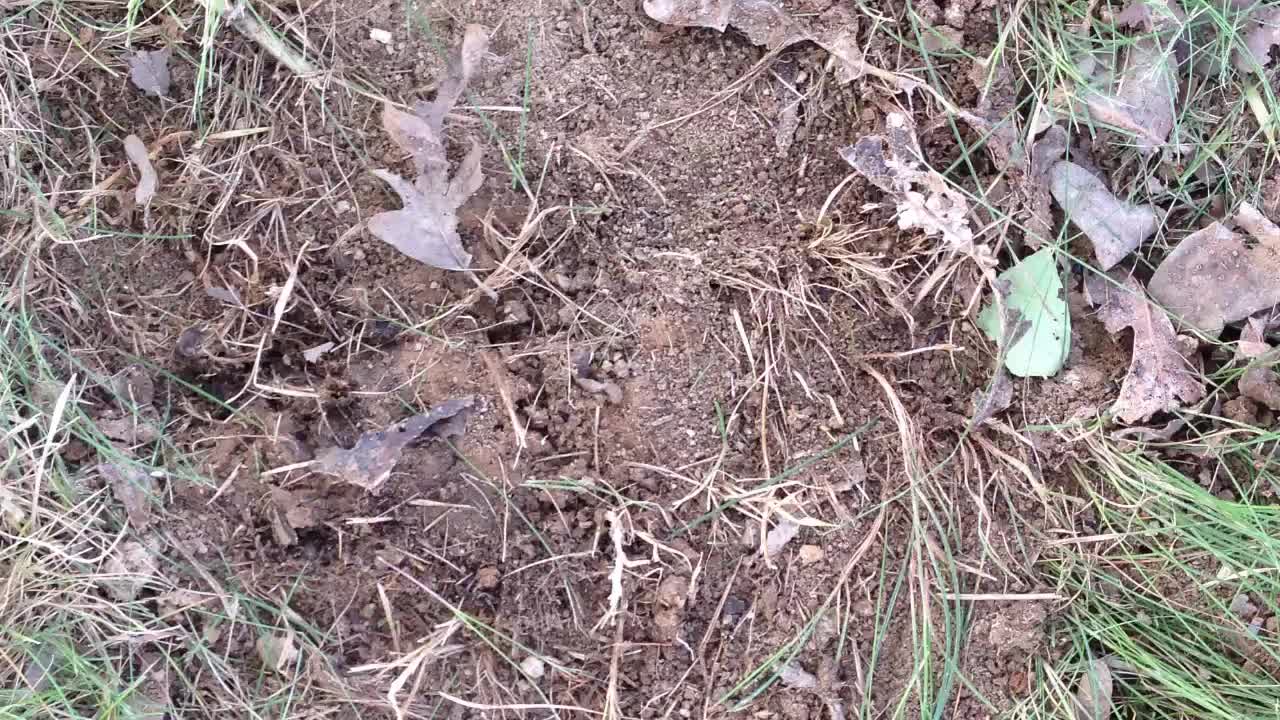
(796, 677)
(1263, 34)
(278, 652)
(1214, 277)
(1115, 228)
(1260, 382)
(779, 535)
(128, 570)
(149, 70)
(134, 488)
(767, 23)
(1160, 377)
(893, 162)
(426, 228)
(375, 454)
(1142, 100)
(1093, 696)
(147, 180)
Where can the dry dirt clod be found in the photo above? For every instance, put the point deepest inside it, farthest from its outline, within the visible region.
(668, 607)
(1214, 277)
(893, 162)
(149, 70)
(487, 578)
(375, 454)
(426, 228)
(1160, 377)
(810, 554)
(1114, 227)
(609, 389)
(135, 489)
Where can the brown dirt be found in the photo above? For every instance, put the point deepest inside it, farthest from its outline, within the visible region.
(685, 274)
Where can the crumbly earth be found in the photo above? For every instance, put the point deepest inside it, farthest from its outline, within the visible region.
(676, 260)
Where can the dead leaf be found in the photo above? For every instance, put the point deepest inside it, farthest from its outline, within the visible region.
(149, 70)
(128, 570)
(778, 537)
(767, 23)
(289, 512)
(1093, 696)
(375, 454)
(279, 652)
(226, 295)
(137, 152)
(149, 700)
(134, 488)
(133, 428)
(41, 666)
(1260, 382)
(893, 162)
(313, 354)
(426, 228)
(1142, 98)
(1115, 228)
(1214, 277)
(1160, 377)
(12, 516)
(992, 399)
(796, 677)
(1151, 15)
(1263, 34)
(133, 387)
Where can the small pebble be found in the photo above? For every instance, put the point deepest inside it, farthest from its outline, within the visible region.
(533, 667)
(810, 554)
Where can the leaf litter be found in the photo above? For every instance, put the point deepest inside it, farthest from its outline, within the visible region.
(134, 488)
(136, 150)
(279, 652)
(925, 200)
(1093, 696)
(1031, 324)
(149, 70)
(1260, 382)
(1161, 377)
(426, 228)
(1215, 276)
(767, 23)
(1115, 228)
(369, 463)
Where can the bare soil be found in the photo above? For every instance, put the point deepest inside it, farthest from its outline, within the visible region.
(681, 265)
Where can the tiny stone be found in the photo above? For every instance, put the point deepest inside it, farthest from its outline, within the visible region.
(810, 554)
(533, 667)
(487, 578)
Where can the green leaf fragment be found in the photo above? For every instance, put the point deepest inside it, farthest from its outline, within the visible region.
(1039, 326)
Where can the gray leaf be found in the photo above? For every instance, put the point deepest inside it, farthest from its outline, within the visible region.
(369, 463)
(149, 70)
(1114, 227)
